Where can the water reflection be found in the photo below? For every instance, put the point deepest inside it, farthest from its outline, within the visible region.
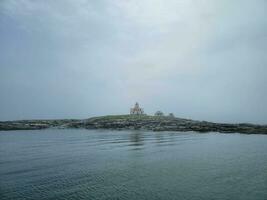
(136, 138)
(145, 139)
(92, 164)
(159, 138)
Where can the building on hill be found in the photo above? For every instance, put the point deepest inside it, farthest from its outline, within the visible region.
(159, 113)
(136, 110)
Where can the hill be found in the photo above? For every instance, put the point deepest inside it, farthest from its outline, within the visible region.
(136, 122)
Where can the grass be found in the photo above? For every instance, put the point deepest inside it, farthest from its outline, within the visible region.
(125, 117)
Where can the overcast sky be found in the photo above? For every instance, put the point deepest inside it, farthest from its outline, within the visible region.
(200, 59)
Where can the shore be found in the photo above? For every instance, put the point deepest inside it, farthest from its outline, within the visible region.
(133, 122)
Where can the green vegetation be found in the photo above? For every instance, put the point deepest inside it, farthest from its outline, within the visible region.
(136, 122)
(125, 117)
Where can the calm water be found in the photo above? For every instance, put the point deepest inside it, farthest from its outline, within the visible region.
(83, 164)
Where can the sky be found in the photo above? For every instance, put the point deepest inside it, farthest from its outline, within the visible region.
(199, 59)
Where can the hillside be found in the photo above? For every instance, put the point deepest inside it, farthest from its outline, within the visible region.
(136, 122)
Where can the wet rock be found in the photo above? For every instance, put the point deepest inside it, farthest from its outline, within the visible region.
(129, 122)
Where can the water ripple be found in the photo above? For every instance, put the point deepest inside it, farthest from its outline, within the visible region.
(82, 164)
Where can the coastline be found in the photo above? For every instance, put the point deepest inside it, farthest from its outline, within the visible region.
(135, 122)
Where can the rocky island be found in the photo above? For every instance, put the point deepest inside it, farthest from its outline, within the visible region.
(136, 122)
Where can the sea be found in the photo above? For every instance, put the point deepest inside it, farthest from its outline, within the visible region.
(66, 164)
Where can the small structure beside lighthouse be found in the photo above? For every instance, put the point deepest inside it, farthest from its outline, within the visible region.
(136, 110)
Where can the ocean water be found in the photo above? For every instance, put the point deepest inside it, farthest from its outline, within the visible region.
(98, 164)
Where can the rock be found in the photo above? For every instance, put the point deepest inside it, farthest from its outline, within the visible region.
(133, 122)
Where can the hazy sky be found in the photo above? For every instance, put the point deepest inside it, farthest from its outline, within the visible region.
(200, 59)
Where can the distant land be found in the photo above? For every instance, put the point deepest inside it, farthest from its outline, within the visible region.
(135, 122)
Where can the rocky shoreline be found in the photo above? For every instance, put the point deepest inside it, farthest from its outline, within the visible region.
(131, 122)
